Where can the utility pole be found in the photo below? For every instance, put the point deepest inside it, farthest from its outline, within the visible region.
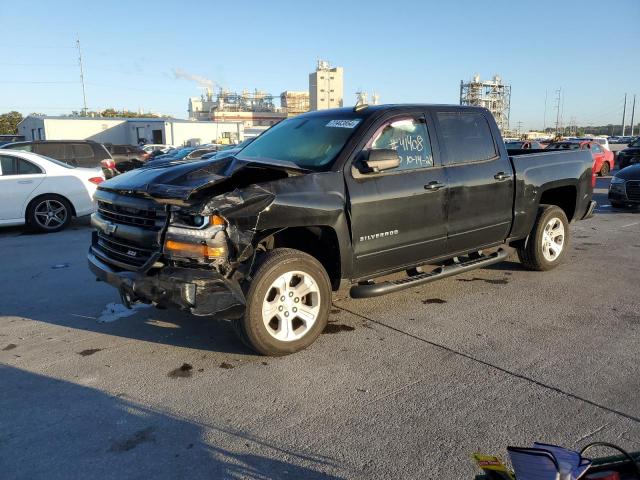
(544, 118)
(558, 95)
(84, 96)
(519, 126)
(633, 112)
(624, 111)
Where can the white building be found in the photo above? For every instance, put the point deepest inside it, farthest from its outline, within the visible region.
(130, 131)
(326, 87)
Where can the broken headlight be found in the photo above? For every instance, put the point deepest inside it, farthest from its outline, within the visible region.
(196, 238)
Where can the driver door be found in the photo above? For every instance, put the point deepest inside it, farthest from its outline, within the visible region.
(398, 216)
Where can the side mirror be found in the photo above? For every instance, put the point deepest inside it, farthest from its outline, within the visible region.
(381, 160)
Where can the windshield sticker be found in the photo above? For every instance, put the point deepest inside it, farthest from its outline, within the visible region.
(343, 123)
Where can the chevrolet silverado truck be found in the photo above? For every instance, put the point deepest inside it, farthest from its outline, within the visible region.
(331, 199)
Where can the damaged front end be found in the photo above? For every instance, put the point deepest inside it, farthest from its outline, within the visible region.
(174, 245)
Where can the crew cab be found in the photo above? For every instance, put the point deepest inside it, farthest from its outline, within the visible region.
(334, 198)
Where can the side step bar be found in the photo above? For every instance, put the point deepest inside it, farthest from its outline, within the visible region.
(367, 290)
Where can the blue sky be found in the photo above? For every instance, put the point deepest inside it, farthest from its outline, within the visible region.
(411, 51)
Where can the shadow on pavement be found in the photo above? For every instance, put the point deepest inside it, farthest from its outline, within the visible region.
(53, 429)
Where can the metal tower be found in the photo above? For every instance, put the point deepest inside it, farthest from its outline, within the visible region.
(490, 94)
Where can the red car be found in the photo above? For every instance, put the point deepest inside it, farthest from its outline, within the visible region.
(602, 158)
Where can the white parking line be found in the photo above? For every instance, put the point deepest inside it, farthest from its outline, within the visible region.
(630, 225)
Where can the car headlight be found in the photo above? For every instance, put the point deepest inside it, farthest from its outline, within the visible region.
(617, 181)
(199, 238)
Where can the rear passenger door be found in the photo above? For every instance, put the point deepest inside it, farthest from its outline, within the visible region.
(18, 179)
(480, 181)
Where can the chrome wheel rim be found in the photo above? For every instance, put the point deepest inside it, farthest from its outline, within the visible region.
(291, 306)
(553, 239)
(50, 214)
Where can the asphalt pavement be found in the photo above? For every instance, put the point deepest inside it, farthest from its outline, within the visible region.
(402, 386)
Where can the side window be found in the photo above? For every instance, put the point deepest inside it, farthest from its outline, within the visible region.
(119, 150)
(8, 165)
(466, 136)
(17, 166)
(410, 138)
(51, 150)
(25, 147)
(596, 148)
(27, 168)
(82, 155)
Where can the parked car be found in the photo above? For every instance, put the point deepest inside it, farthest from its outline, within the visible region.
(43, 192)
(155, 147)
(228, 152)
(330, 198)
(183, 154)
(603, 159)
(4, 139)
(127, 157)
(629, 155)
(77, 153)
(523, 145)
(624, 189)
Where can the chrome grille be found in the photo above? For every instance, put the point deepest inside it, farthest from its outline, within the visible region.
(123, 251)
(131, 216)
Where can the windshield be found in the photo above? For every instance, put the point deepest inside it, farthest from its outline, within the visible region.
(514, 145)
(311, 142)
(635, 143)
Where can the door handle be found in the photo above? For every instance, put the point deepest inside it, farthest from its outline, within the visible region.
(501, 176)
(432, 186)
(24, 182)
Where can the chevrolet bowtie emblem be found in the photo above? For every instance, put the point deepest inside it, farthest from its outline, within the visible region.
(110, 228)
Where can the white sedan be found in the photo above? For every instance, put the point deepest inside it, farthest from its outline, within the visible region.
(42, 192)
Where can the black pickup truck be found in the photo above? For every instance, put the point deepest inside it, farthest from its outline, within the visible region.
(328, 199)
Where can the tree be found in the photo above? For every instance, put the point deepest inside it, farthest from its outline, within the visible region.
(9, 122)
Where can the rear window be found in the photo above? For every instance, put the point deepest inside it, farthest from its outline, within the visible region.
(467, 137)
(51, 150)
(564, 146)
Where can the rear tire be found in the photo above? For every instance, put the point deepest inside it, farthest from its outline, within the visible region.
(605, 169)
(288, 302)
(49, 213)
(547, 243)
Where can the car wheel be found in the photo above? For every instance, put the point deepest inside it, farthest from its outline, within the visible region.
(618, 204)
(288, 303)
(49, 213)
(605, 169)
(547, 243)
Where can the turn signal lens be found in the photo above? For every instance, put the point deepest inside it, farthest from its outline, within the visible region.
(108, 164)
(96, 180)
(194, 249)
(216, 220)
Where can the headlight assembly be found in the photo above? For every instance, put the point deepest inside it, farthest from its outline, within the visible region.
(617, 181)
(199, 238)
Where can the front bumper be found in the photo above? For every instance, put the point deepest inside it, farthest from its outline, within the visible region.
(199, 291)
(621, 197)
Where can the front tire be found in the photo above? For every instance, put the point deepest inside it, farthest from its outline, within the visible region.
(288, 303)
(49, 213)
(605, 169)
(547, 243)
(617, 204)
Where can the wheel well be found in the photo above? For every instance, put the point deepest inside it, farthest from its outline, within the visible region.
(563, 197)
(319, 242)
(33, 200)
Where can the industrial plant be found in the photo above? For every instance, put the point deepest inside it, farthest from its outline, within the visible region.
(490, 94)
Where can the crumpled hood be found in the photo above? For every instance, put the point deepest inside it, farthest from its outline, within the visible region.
(180, 180)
